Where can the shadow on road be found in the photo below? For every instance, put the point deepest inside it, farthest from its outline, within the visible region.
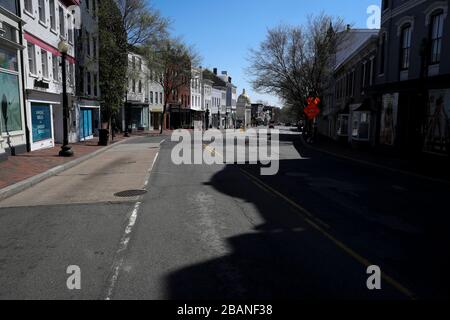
(283, 257)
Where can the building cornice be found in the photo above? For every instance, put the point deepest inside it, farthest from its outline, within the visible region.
(392, 13)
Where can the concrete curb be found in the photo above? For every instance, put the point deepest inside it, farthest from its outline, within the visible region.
(375, 165)
(29, 182)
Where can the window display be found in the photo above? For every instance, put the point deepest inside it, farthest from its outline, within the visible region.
(11, 116)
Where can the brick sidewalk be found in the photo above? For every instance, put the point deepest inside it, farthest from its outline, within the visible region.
(26, 165)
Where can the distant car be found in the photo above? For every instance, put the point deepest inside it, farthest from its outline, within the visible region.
(288, 124)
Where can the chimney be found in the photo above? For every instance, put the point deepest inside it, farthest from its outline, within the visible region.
(348, 27)
(225, 73)
(229, 79)
(215, 71)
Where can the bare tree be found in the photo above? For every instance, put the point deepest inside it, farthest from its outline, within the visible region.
(293, 62)
(142, 22)
(169, 64)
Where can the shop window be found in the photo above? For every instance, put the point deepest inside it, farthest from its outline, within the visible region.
(41, 122)
(361, 126)
(10, 103)
(342, 125)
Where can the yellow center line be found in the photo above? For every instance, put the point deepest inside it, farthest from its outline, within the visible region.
(307, 215)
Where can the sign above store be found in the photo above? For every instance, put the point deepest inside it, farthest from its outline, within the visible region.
(40, 84)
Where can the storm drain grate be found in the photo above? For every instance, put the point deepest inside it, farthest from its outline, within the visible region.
(130, 193)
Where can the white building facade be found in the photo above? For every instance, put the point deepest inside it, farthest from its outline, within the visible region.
(196, 104)
(156, 99)
(47, 22)
(243, 111)
(207, 87)
(219, 103)
(86, 114)
(13, 139)
(136, 111)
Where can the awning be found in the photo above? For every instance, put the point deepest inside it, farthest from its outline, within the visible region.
(365, 106)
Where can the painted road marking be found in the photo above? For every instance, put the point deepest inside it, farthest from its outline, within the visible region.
(307, 217)
(380, 166)
(125, 240)
(120, 254)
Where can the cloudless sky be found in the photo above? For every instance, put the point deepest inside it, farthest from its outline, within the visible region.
(223, 31)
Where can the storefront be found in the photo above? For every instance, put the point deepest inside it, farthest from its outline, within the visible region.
(89, 121)
(155, 118)
(135, 116)
(436, 130)
(363, 123)
(42, 126)
(44, 117)
(388, 120)
(139, 119)
(12, 123)
(180, 117)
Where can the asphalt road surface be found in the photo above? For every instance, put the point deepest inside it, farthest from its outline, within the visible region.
(225, 231)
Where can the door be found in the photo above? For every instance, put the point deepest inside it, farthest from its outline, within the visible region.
(86, 124)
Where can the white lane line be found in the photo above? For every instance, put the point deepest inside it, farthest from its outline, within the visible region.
(120, 254)
(125, 240)
(147, 178)
(162, 142)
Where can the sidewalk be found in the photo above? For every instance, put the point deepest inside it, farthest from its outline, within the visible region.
(26, 165)
(430, 167)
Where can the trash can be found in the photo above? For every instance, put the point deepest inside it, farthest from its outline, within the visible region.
(103, 137)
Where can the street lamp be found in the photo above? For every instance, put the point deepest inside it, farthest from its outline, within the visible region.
(66, 150)
(207, 116)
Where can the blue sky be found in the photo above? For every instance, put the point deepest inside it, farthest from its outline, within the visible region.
(222, 31)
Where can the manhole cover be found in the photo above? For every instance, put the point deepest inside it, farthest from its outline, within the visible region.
(130, 193)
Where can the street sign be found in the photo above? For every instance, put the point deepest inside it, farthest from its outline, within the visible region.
(312, 110)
